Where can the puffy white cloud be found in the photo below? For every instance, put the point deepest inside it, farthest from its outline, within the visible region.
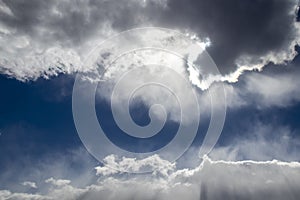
(113, 165)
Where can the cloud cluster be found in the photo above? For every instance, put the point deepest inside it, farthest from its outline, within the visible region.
(247, 33)
(221, 175)
(42, 39)
(45, 38)
(210, 180)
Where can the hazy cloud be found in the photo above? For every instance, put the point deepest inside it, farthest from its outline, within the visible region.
(29, 184)
(261, 142)
(210, 180)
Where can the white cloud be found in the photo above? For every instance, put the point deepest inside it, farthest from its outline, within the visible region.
(263, 90)
(210, 180)
(261, 142)
(5, 194)
(29, 184)
(216, 177)
(113, 165)
(58, 182)
(274, 90)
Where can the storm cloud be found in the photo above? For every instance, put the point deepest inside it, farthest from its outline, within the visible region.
(44, 38)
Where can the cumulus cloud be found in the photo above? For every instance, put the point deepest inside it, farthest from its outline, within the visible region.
(113, 165)
(215, 177)
(246, 31)
(210, 180)
(42, 39)
(45, 38)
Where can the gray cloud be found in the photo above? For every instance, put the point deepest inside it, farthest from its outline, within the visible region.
(210, 180)
(274, 87)
(70, 22)
(238, 27)
(43, 38)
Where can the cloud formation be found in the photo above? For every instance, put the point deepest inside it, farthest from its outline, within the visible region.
(261, 142)
(29, 184)
(275, 87)
(210, 180)
(45, 38)
(221, 175)
(42, 39)
(239, 30)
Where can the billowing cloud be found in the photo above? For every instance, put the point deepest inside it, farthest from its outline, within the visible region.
(242, 33)
(221, 174)
(113, 165)
(210, 180)
(42, 39)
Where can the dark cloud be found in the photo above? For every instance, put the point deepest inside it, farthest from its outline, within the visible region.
(72, 20)
(250, 27)
(235, 27)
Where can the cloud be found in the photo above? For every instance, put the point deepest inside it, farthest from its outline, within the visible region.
(45, 38)
(29, 184)
(210, 180)
(58, 182)
(5, 194)
(42, 39)
(273, 88)
(240, 31)
(74, 176)
(261, 141)
(113, 165)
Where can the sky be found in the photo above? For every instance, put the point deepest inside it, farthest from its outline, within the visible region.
(154, 99)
